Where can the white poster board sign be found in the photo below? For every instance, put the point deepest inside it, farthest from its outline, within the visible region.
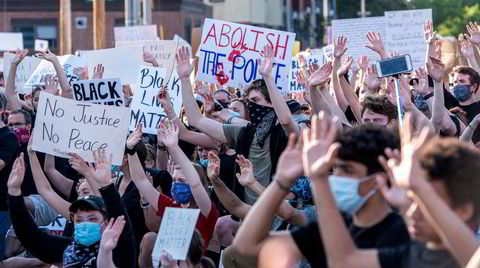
(64, 126)
(99, 91)
(123, 62)
(41, 45)
(404, 33)
(146, 109)
(24, 70)
(135, 33)
(293, 85)
(163, 51)
(328, 52)
(229, 53)
(11, 41)
(182, 43)
(175, 233)
(69, 62)
(355, 30)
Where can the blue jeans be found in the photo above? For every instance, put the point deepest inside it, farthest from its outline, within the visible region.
(4, 226)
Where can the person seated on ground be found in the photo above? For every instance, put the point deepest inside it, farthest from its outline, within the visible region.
(90, 215)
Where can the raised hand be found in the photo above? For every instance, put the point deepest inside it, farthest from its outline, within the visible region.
(362, 63)
(422, 86)
(82, 167)
(345, 66)
(266, 65)
(428, 33)
(301, 79)
(15, 179)
(51, 84)
(302, 61)
(182, 58)
(19, 56)
(319, 150)
(371, 78)
(81, 72)
(149, 58)
(474, 30)
(208, 104)
(135, 136)
(375, 42)
(164, 98)
(112, 233)
(169, 133)
(167, 261)
(339, 46)
(200, 88)
(289, 166)
(245, 177)
(47, 55)
(103, 167)
(438, 49)
(213, 168)
(466, 48)
(320, 76)
(435, 68)
(98, 71)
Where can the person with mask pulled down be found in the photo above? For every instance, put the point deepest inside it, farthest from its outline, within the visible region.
(369, 218)
(90, 215)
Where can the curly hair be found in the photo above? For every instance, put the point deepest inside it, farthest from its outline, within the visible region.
(380, 105)
(261, 86)
(365, 143)
(456, 165)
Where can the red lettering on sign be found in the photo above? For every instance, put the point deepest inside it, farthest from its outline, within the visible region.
(256, 39)
(240, 40)
(223, 33)
(279, 46)
(214, 34)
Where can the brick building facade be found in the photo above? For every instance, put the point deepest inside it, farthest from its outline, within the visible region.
(39, 19)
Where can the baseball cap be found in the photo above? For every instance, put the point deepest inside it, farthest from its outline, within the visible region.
(89, 202)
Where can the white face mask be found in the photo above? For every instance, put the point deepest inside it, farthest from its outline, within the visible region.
(345, 193)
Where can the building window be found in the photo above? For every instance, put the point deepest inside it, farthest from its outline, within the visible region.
(32, 29)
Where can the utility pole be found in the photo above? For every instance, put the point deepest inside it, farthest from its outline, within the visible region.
(147, 12)
(65, 27)
(363, 12)
(132, 11)
(98, 24)
(288, 11)
(313, 24)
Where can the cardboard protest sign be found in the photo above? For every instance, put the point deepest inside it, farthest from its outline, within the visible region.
(99, 91)
(11, 41)
(355, 30)
(41, 45)
(123, 62)
(404, 33)
(69, 62)
(64, 126)
(163, 51)
(146, 109)
(175, 233)
(24, 70)
(135, 33)
(229, 53)
(328, 52)
(56, 227)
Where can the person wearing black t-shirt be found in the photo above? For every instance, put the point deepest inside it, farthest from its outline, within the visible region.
(465, 86)
(8, 151)
(371, 220)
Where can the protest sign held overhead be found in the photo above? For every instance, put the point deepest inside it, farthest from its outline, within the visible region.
(163, 51)
(99, 91)
(404, 33)
(24, 70)
(293, 85)
(175, 233)
(136, 33)
(229, 51)
(65, 126)
(11, 41)
(146, 109)
(41, 45)
(69, 62)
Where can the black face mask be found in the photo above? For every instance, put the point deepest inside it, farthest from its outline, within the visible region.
(224, 104)
(263, 119)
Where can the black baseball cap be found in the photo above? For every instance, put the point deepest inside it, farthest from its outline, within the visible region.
(89, 202)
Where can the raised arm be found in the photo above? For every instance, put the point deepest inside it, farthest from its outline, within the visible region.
(169, 134)
(208, 126)
(109, 241)
(62, 78)
(230, 200)
(13, 101)
(339, 49)
(45, 189)
(254, 231)
(468, 132)
(435, 68)
(139, 178)
(467, 49)
(375, 43)
(62, 183)
(474, 37)
(86, 170)
(348, 91)
(279, 105)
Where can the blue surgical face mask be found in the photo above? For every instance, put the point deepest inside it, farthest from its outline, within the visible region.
(204, 163)
(345, 193)
(87, 233)
(462, 92)
(181, 192)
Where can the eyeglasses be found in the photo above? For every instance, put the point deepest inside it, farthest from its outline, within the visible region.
(16, 124)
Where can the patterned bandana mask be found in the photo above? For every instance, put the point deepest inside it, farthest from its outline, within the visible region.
(263, 120)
